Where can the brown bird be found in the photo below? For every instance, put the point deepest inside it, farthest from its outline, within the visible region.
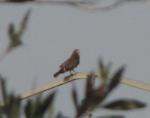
(69, 65)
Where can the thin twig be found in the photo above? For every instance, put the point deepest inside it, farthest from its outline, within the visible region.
(136, 84)
(84, 5)
(53, 84)
(58, 82)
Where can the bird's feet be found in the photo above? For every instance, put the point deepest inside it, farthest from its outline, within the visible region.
(72, 72)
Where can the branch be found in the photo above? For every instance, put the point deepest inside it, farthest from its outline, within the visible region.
(58, 82)
(92, 5)
(136, 84)
(53, 84)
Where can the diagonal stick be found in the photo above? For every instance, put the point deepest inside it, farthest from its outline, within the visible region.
(58, 82)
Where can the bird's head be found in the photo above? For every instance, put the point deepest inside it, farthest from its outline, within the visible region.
(76, 51)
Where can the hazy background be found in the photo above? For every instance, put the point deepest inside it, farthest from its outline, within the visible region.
(121, 35)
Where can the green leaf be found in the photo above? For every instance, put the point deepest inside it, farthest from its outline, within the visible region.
(29, 109)
(24, 22)
(12, 106)
(104, 69)
(115, 80)
(60, 115)
(47, 102)
(37, 108)
(14, 38)
(14, 35)
(113, 116)
(3, 89)
(89, 87)
(124, 104)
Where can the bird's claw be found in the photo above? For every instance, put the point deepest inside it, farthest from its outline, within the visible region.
(72, 72)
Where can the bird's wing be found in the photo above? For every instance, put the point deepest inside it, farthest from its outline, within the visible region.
(65, 63)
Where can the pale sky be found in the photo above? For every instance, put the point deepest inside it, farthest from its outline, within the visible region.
(121, 35)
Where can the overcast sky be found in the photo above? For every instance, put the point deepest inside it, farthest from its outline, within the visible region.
(121, 35)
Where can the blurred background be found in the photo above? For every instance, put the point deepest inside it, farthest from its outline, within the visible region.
(119, 34)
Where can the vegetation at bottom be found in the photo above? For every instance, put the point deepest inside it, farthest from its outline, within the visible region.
(11, 105)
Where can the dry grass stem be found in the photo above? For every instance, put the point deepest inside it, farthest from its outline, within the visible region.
(81, 75)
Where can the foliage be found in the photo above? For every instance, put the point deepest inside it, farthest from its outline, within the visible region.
(39, 106)
(11, 104)
(34, 108)
(94, 96)
(16, 35)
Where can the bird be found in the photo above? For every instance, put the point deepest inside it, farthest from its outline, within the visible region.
(71, 63)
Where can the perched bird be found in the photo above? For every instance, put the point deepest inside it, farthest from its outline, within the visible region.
(70, 63)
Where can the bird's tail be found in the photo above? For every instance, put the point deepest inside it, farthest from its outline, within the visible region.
(57, 73)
